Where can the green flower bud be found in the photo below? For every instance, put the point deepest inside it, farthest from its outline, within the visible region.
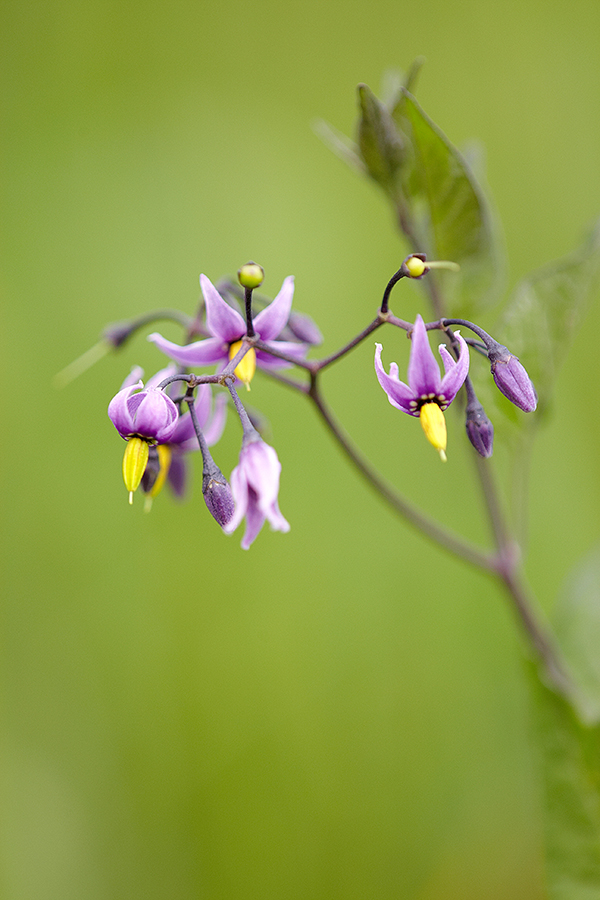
(251, 275)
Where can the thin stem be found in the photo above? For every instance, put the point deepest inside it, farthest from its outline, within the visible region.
(526, 608)
(209, 467)
(451, 542)
(401, 273)
(248, 301)
(317, 366)
(248, 428)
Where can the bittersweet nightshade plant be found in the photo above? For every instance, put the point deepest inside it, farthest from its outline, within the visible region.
(439, 207)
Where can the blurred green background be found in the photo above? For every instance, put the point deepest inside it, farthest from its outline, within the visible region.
(341, 711)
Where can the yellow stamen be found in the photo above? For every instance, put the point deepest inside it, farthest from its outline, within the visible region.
(247, 367)
(164, 461)
(434, 426)
(134, 463)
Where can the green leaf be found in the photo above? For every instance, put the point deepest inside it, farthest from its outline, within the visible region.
(381, 146)
(576, 621)
(339, 144)
(448, 209)
(570, 754)
(542, 316)
(436, 199)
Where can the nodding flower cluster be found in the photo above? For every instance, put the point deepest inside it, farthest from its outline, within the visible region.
(175, 413)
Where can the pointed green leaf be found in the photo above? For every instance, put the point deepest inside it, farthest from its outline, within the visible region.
(448, 209)
(542, 316)
(341, 145)
(570, 754)
(380, 144)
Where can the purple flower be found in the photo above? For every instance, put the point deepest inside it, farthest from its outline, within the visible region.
(255, 485)
(211, 419)
(426, 394)
(228, 327)
(148, 414)
(511, 378)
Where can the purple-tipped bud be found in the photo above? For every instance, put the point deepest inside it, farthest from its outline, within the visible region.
(480, 430)
(218, 498)
(119, 332)
(512, 379)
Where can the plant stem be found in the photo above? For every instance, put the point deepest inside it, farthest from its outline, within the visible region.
(446, 539)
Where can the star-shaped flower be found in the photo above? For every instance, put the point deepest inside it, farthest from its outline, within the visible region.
(427, 394)
(228, 327)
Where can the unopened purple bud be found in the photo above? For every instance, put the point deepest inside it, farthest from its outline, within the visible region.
(512, 379)
(119, 332)
(218, 498)
(480, 430)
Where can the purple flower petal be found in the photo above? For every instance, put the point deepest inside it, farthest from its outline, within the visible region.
(118, 411)
(271, 321)
(155, 417)
(239, 486)
(200, 353)
(255, 520)
(222, 321)
(178, 474)
(154, 382)
(423, 370)
(216, 424)
(255, 484)
(398, 393)
(456, 371)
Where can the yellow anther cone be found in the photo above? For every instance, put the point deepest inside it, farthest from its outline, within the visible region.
(434, 426)
(247, 367)
(134, 464)
(164, 459)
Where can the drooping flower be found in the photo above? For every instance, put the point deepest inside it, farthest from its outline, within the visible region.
(255, 486)
(427, 394)
(168, 460)
(142, 417)
(148, 414)
(228, 328)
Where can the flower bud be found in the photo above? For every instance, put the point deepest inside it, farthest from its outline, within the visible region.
(251, 275)
(511, 378)
(415, 265)
(119, 332)
(218, 498)
(480, 430)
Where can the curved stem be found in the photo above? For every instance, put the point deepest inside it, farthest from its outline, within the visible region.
(508, 570)
(446, 539)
